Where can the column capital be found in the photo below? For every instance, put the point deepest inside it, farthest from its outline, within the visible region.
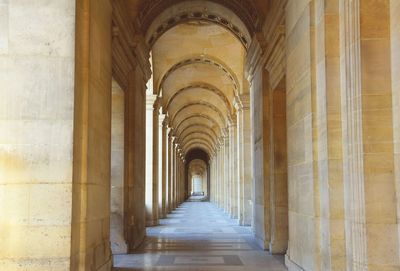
(225, 132)
(232, 121)
(150, 101)
(221, 142)
(161, 118)
(171, 132)
(255, 55)
(242, 102)
(157, 104)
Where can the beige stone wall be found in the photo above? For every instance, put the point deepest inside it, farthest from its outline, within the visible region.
(344, 90)
(261, 142)
(36, 123)
(301, 181)
(137, 174)
(377, 128)
(395, 60)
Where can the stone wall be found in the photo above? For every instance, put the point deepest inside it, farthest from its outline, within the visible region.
(340, 134)
(36, 124)
(302, 182)
(395, 60)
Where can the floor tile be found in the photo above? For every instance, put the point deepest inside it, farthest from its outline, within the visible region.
(198, 236)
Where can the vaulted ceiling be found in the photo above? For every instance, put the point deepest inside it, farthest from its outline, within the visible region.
(198, 51)
(198, 70)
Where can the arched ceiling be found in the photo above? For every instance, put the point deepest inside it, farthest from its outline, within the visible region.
(242, 14)
(197, 167)
(198, 54)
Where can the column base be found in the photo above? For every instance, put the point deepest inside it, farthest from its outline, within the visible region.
(107, 266)
(242, 222)
(279, 247)
(234, 216)
(260, 242)
(292, 266)
(151, 223)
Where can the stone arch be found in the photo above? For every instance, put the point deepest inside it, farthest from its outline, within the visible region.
(205, 104)
(201, 85)
(240, 17)
(198, 116)
(198, 139)
(197, 133)
(194, 145)
(201, 127)
(207, 60)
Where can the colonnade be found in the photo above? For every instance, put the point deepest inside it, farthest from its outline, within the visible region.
(309, 156)
(230, 165)
(165, 167)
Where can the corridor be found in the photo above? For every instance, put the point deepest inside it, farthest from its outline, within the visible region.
(199, 236)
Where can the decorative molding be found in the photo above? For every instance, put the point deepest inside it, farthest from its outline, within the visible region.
(244, 9)
(275, 52)
(254, 58)
(242, 102)
(268, 48)
(150, 101)
(197, 16)
(129, 49)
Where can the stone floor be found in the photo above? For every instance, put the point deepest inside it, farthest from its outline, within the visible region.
(198, 236)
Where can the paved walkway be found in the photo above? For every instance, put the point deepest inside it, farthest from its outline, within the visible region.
(197, 236)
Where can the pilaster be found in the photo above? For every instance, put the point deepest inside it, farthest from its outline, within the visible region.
(162, 142)
(151, 187)
(233, 168)
(242, 105)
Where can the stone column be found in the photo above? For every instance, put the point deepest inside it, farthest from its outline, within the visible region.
(91, 129)
(169, 176)
(213, 180)
(183, 192)
(233, 168)
(211, 175)
(181, 182)
(227, 180)
(178, 176)
(242, 104)
(221, 174)
(151, 161)
(211, 195)
(217, 187)
(173, 172)
(215, 175)
(162, 168)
